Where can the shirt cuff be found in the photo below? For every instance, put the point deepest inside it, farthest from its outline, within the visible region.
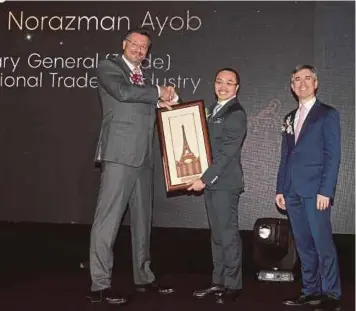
(159, 95)
(159, 91)
(176, 98)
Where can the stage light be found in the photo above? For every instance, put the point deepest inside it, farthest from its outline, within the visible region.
(264, 232)
(274, 250)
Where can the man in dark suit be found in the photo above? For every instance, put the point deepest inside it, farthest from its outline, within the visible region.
(223, 183)
(307, 176)
(125, 151)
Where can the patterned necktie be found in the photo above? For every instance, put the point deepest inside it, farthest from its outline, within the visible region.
(302, 115)
(216, 109)
(137, 76)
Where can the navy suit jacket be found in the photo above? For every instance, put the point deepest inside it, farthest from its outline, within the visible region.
(311, 164)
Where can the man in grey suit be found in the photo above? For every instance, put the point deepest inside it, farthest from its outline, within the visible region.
(125, 152)
(223, 183)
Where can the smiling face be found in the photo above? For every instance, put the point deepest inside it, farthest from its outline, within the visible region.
(304, 84)
(226, 85)
(135, 48)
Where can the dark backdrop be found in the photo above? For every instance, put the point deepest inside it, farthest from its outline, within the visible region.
(48, 133)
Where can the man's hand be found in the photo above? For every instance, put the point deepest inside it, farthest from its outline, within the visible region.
(196, 185)
(322, 202)
(281, 203)
(166, 104)
(167, 93)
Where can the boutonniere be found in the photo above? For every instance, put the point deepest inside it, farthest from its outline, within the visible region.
(207, 113)
(288, 126)
(136, 78)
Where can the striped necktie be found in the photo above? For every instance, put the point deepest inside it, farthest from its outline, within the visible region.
(216, 109)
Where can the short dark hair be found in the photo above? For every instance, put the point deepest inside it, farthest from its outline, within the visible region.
(231, 70)
(141, 31)
(301, 67)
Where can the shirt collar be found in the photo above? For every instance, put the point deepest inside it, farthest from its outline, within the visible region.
(223, 102)
(309, 104)
(129, 64)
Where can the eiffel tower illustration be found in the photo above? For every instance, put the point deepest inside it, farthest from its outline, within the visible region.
(189, 164)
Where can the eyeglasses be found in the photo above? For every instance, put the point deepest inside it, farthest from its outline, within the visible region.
(137, 46)
(221, 82)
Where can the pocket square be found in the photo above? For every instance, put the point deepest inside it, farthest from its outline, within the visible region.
(219, 120)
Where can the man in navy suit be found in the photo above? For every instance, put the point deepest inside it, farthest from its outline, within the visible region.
(307, 176)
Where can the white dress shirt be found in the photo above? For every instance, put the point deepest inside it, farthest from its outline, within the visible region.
(220, 104)
(132, 67)
(223, 102)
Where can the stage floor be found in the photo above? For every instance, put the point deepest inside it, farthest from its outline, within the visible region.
(40, 270)
(59, 291)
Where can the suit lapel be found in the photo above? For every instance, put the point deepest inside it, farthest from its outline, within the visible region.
(310, 119)
(223, 109)
(120, 62)
(146, 77)
(209, 111)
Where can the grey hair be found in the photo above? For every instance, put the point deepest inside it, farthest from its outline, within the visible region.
(301, 67)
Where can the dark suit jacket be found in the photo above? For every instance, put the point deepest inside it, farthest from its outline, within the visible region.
(227, 130)
(311, 164)
(128, 115)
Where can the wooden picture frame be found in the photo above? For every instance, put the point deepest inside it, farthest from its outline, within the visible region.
(184, 141)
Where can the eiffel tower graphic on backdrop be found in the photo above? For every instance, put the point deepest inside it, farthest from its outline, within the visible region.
(189, 164)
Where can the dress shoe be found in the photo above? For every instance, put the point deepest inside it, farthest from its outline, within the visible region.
(303, 300)
(228, 295)
(329, 304)
(107, 295)
(212, 290)
(154, 287)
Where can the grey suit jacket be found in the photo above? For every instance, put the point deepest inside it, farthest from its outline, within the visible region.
(227, 130)
(128, 115)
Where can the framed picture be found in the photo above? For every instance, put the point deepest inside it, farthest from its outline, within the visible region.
(184, 140)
